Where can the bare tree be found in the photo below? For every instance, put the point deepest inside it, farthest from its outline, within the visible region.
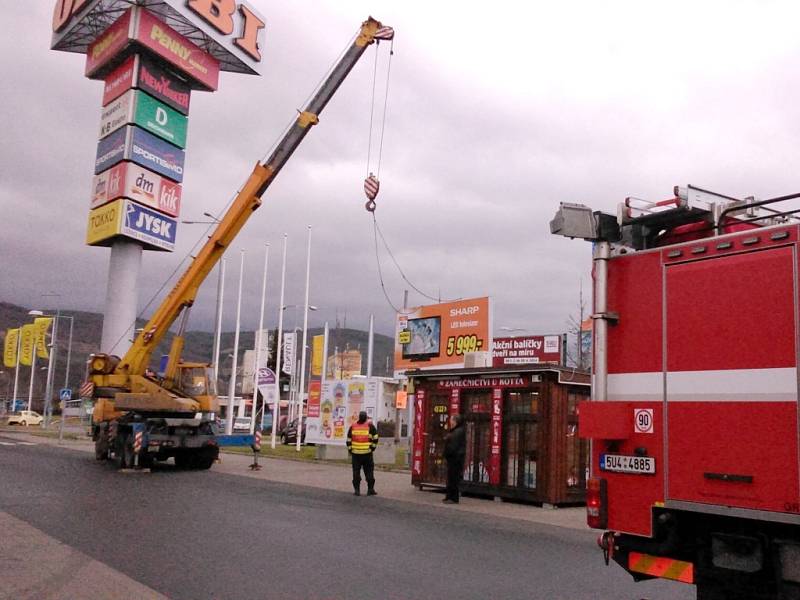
(577, 353)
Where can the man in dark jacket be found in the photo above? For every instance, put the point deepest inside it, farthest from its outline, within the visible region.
(455, 450)
(362, 439)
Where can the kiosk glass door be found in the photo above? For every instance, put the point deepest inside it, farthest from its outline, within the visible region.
(477, 410)
(435, 432)
(522, 432)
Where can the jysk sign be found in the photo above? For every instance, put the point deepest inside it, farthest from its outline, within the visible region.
(148, 113)
(145, 149)
(129, 180)
(138, 71)
(124, 217)
(148, 226)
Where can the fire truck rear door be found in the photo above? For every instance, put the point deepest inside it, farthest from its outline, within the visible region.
(731, 380)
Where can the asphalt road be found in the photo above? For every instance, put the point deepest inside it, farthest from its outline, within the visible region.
(198, 535)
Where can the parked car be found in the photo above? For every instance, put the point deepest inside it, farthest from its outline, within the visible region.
(289, 433)
(240, 424)
(25, 417)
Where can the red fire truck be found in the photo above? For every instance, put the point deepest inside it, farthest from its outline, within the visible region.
(693, 420)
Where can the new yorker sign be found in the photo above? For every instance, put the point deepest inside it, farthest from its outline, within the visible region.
(234, 30)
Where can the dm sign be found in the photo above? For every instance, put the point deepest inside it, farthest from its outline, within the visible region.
(129, 180)
(148, 113)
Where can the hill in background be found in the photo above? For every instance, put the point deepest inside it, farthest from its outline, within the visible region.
(87, 328)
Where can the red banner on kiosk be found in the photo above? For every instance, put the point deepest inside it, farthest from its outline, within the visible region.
(497, 424)
(419, 401)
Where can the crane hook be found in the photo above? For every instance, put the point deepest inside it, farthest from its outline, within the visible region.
(371, 187)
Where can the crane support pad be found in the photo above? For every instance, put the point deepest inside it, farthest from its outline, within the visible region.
(659, 566)
(235, 440)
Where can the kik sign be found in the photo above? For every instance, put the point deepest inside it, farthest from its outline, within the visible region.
(129, 180)
(136, 107)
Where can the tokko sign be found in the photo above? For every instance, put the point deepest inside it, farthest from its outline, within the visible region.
(129, 180)
(232, 31)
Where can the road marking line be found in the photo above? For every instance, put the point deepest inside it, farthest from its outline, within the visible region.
(27, 443)
(7, 444)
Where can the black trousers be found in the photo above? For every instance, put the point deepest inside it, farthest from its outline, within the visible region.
(363, 461)
(455, 467)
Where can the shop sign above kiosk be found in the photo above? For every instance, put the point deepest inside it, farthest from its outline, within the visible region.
(232, 32)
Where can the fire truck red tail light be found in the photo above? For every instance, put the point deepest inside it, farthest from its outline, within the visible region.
(596, 503)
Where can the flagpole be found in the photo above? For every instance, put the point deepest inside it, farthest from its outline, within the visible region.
(276, 412)
(303, 346)
(232, 383)
(16, 370)
(33, 371)
(259, 342)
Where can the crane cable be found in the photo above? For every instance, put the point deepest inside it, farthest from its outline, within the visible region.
(377, 232)
(372, 181)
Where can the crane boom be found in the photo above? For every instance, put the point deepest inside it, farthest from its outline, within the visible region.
(246, 202)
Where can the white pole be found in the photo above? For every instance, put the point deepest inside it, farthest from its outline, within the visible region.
(259, 342)
(218, 327)
(69, 352)
(276, 412)
(235, 364)
(16, 370)
(119, 315)
(48, 389)
(300, 392)
(370, 344)
(33, 370)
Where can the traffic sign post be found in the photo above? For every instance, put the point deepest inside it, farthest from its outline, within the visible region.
(65, 394)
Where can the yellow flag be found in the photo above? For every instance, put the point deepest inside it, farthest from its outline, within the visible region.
(316, 355)
(26, 346)
(10, 349)
(42, 324)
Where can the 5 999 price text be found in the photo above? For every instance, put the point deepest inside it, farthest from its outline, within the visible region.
(462, 344)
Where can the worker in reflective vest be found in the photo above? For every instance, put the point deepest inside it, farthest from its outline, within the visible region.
(362, 439)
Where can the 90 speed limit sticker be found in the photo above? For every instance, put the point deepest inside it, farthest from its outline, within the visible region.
(643, 420)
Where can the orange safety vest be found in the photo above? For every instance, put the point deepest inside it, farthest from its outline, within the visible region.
(360, 442)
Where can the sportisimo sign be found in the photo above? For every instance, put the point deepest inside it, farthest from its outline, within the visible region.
(133, 143)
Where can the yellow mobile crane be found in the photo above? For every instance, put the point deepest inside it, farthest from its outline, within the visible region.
(137, 418)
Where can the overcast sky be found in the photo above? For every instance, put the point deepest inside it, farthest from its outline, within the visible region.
(496, 112)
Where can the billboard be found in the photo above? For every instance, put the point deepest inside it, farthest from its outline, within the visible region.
(145, 149)
(141, 72)
(134, 106)
(137, 27)
(129, 180)
(129, 219)
(526, 350)
(340, 402)
(439, 335)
